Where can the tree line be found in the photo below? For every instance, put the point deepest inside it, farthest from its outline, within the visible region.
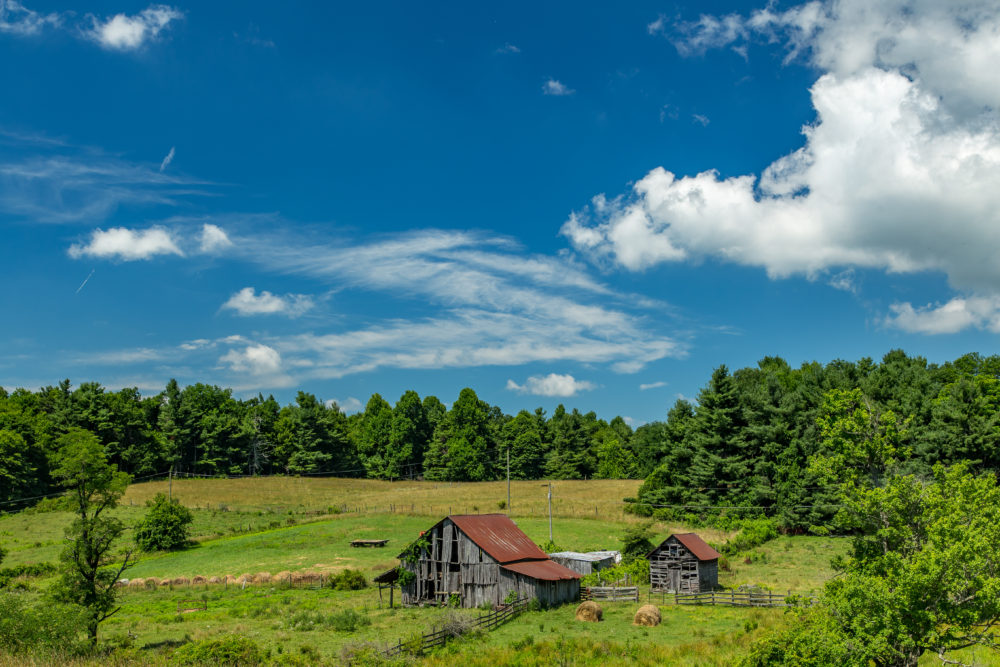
(744, 444)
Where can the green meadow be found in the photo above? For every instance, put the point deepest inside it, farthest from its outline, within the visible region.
(299, 532)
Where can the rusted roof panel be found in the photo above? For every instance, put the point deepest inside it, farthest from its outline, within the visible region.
(498, 536)
(546, 570)
(694, 544)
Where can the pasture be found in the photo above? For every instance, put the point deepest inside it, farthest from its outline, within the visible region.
(305, 526)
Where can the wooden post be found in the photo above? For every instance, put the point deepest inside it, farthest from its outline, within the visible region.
(508, 478)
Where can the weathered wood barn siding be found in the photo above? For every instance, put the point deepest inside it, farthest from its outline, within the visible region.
(453, 563)
(683, 563)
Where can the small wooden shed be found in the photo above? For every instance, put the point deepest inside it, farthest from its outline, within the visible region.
(482, 558)
(589, 562)
(683, 563)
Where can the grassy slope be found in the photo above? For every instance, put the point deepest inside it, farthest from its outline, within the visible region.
(688, 635)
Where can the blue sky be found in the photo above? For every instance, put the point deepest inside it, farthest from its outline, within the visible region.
(557, 203)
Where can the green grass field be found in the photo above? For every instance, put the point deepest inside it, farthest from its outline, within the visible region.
(288, 527)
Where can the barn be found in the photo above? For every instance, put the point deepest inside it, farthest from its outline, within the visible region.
(481, 558)
(683, 563)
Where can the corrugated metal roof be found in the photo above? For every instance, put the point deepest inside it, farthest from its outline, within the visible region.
(498, 536)
(547, 570)
(695, 545)
(590, 556)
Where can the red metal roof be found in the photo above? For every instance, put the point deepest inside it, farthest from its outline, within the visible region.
(498, 536)
(547, 570)
(696, 546)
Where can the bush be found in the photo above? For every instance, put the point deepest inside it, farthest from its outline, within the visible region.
(165, 525)
(637, 542)
(48, 627)
(637, 571)
(753, 533)
(348, 580)
(229, 650)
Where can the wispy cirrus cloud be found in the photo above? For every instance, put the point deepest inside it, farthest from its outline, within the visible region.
(16, 19)
(50, 181)
(652, 385)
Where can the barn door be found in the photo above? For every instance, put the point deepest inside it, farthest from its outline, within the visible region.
(675, 580)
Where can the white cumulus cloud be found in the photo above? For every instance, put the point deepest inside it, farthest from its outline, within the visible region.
(552, 384)
(951, 317)
(898, 172)
(247, 302)
(652, 385)
(126, 244)
(213, 238)
(256, 359)
(125, 33)
(557, 88)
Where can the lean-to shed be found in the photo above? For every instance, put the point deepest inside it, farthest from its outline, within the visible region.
(683, 563)
(586, 563)
(481, 558)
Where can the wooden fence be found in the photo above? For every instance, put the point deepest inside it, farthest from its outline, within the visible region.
(610, 593)
(487, 622)
(732, 598)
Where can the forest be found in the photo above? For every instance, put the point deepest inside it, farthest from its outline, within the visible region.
(742, 449)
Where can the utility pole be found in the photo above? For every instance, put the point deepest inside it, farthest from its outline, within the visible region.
(508, 479)
(550, 512)
(170, 484)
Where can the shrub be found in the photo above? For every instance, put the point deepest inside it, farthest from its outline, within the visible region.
(165, 525)
(348, 580)
(637, 542)
(228, 650)
(637, 571)
(49, 627)
(753, 533)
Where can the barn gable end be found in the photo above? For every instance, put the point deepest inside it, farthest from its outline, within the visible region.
(683, 563)
(482, 558)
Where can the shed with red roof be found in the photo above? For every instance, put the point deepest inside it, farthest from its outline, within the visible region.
(481, 558)
(683, 563)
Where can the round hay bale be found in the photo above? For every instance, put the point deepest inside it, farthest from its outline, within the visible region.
(244, 579)
(182, 581)
(648, 615)
(262, 578)
(230, 579)
(298, 577)
(589, 611)
(166, 582)
(152, 583)
(214, 580)
(198, 579)
(137, 582)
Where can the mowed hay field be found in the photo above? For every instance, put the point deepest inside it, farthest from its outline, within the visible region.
(601, 498)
